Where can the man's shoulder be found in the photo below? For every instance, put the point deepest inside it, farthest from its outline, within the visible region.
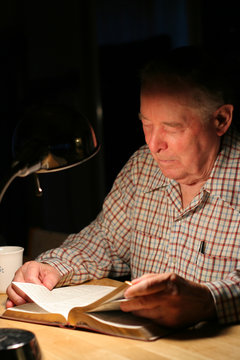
(231, 146)
(143, 170)
(225, 179)
(142, 152)
(142, 161)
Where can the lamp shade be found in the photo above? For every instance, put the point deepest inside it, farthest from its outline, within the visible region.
(50, 138)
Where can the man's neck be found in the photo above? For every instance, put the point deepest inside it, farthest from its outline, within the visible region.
(189, 192)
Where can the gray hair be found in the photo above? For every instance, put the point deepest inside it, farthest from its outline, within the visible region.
(190, 71)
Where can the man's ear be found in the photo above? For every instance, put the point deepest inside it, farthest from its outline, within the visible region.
(223, 118)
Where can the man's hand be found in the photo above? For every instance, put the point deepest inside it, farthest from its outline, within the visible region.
(169, 300)
(33, 272)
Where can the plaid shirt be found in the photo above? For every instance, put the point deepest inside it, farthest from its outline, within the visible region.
(142, 228)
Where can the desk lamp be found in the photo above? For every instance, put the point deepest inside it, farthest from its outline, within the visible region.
(47, 139)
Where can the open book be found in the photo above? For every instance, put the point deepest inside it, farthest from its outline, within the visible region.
(94, 307)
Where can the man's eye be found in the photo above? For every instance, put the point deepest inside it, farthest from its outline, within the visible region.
(173, 128)
(145, 122)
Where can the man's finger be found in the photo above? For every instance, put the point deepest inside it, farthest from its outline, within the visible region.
(9, 303)
(149, 285)
(16, 299)
(148, 302)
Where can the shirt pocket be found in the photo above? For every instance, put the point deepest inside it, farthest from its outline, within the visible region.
(147, 253)
(213, 268)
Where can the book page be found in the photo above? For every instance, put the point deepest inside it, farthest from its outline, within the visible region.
(62, 300)
(119, 319)
(108, 305)
(29, 308)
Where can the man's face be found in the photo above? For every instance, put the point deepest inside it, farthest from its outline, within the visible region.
(184, 147)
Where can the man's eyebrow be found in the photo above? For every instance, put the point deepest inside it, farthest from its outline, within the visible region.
(141, 116)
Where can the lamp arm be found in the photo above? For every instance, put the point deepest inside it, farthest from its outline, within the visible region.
(17, 171)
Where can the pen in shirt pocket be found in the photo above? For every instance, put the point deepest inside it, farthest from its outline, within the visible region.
(201, 249)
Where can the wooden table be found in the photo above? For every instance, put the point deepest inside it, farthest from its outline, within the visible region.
(203, 343)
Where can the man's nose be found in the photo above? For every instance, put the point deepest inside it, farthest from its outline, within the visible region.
(156, 141)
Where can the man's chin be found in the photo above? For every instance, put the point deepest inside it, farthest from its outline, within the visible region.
(171, 174)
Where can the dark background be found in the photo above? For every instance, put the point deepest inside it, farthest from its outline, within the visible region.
(87, 54)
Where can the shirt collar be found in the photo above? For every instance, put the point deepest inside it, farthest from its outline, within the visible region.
(156, 180)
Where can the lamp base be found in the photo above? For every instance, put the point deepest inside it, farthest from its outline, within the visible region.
(18, 344)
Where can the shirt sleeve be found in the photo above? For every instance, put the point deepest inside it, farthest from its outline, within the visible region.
(226, 294)
(102, 248)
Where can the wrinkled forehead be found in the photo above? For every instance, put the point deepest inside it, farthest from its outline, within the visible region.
(184, 95)
(184, 89)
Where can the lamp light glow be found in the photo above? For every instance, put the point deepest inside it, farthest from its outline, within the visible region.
(50, 138)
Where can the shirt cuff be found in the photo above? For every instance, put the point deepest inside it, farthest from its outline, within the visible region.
(65, 270)
(226, 298)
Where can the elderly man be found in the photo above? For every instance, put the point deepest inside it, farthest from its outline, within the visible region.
(172, 217)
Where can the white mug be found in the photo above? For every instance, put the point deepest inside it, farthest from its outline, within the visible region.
(11, 258)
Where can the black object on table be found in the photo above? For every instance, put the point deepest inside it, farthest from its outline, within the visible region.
(18, 344)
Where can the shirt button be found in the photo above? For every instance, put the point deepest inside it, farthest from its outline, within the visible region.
(174, 260)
